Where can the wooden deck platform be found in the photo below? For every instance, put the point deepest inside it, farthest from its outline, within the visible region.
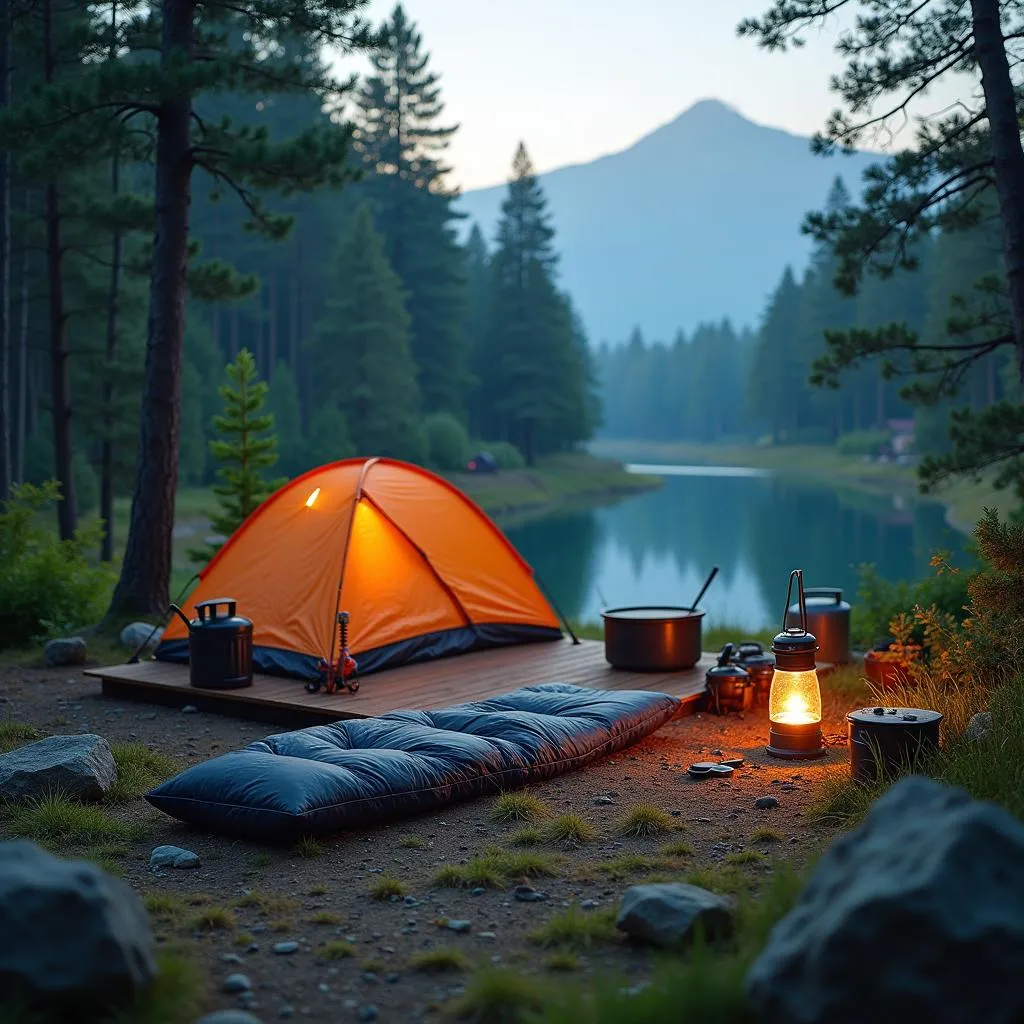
(430, 685)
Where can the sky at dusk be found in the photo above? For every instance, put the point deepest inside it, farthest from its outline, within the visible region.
(576, 79)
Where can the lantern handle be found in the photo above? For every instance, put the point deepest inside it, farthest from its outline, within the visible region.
(799, 574)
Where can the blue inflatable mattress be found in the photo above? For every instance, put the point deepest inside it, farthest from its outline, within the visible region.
(353, 773)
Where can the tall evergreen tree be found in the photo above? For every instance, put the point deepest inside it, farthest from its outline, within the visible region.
(364, 363)
(534, 378)
(402, 142)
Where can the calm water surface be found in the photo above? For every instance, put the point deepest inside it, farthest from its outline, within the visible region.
(658, 547)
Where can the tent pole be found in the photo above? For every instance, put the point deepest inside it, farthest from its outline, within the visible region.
(558, 611)
(134, 659)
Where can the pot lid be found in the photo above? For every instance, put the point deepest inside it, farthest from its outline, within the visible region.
(822, 600)
(654, 613)
(880, 716)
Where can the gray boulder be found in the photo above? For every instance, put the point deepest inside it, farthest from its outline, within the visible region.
(67, 651)
(135, 634)
(978, 726)
(80, 767)
(918, 914)
(70, 935)
(668, 913)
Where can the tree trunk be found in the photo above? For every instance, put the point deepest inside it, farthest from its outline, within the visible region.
(23, 402)
(60, 375)
(1007, 154)
(146, 570)
(113, 302)
(6, 468)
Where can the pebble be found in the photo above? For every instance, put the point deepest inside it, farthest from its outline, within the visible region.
(603, 801)
(237, 983)
(486, 935)
(392, 977)
(458, 926)
(764, 803)
(231, 958)
(229, 1017)
(477, 892)
(411, 901)
(370, 976)
(283, 948)
(286, 1012)
(189, 709)
(787, 786)
(716, 753)
(367, 1013)
(590, 904)
(527, 894)
(173, 857)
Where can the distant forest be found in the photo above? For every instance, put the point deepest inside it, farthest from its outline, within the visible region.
(720, 384)
(378, 332)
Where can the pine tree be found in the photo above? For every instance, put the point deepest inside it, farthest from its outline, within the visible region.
(477, 266)
(363, 357)
(967, 157)
(246, 447)
(402, 143)
(328, 437)
(533, 377)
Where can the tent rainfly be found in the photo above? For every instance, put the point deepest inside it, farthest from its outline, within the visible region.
(421, 570)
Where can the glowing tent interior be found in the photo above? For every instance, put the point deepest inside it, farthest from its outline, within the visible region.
(421, 570)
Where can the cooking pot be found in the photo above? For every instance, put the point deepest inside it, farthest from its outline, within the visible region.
(655, 639)
(728, 686)
(219, 646)
(760, 667)
(828, 618)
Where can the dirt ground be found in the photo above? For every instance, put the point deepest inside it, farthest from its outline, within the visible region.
(325, 897)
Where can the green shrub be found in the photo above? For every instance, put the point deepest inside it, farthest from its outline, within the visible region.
(862, 442)
(47, 586)
(447, 442)
(507, 455)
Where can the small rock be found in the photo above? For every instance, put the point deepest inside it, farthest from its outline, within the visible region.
(978, 726)
(137, 634)
(80, 767)
(589, 904)
(603, 801)
(716, 753)
(235, 983)
(173, 857)
(486, 935)
(766, 803)
(666, 914)
(527, 894)
(393, 977)
(411, 901)
(477, 892)
(787, 787)
(458, 926)
(368, 1013)
(229, 1017)
(286, 1012)
(189, 709)
(370, 976)
(284, 948)
(231, 958)
(68, 651)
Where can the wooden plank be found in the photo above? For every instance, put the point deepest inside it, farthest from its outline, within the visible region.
(466, 677)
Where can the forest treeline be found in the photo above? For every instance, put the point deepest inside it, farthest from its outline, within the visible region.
(378, 331)
(723, 384)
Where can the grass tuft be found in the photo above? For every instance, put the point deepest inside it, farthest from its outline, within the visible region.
(213, 919)
(562, 961)
(576, 929)
(500, 996)
(325, 917)
(386, 886)
(725, 879)
(336, 950)
(680, 848)
(308, 847)
(376, 966)
(518, 807)
(265, 903)
(644, 820)
(744, 857)
(58, 823)
(764, 834)
(569, 830)
(412, 842)
(139, 770)
(318, 890)
(528, 836)
(17, 734)
(496, 868)
(438, 961)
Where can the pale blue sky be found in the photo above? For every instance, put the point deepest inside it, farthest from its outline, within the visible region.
(577, 79)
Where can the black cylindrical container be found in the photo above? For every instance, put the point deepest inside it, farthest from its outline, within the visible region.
(890, 741)
(760, 667)
(728, 689)
(828, 618)
(661, 639)
(219, 647)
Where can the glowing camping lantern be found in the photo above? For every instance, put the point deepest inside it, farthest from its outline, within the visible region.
(311, 500)
(794, 702)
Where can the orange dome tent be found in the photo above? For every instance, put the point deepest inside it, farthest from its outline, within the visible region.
(421, 570)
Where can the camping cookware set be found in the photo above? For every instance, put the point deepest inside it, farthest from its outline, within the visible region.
(828, 618)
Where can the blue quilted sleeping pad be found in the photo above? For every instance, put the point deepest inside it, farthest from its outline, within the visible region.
(350, 774)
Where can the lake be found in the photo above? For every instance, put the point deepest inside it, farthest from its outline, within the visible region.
(659, 546)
